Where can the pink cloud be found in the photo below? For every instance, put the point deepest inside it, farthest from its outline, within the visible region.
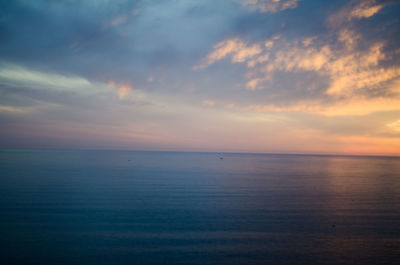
(122, 88)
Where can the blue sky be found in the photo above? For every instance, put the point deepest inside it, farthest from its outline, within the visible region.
(292, 76)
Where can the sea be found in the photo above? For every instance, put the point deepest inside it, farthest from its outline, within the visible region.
(142, 207)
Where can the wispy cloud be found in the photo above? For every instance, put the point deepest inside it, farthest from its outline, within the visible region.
(365, 9)
(10, 73)
(350, 70)
(355, 10)
(271, 5)
(355, 69)
(236, 48)
(15, 110)
(354, 106)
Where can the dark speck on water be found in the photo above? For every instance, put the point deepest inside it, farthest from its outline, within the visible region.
(93, 207)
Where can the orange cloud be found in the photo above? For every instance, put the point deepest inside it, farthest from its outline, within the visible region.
(239, 50)
(350, 70)
(356, 10)
(354, 106)
(254, 84)
(394, 126)
(365, 9)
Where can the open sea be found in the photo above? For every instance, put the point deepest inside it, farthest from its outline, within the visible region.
(122, 207)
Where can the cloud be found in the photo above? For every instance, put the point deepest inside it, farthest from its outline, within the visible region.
(239, 51)
(394, 126)
(360, 74)
(10, 73)
(351, 70)
(56, 87)
(365, 9)
(15, 110)
(270, 6)
(353, 106)
(122, 88)
(355, 10)
(254, 84)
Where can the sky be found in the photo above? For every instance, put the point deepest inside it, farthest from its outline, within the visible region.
(262, 76)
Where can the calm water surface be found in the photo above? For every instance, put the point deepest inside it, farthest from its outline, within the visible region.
(112, 207)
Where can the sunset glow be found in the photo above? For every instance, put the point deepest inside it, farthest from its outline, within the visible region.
(265, 76)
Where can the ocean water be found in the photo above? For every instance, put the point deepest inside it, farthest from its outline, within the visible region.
(117, 207)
